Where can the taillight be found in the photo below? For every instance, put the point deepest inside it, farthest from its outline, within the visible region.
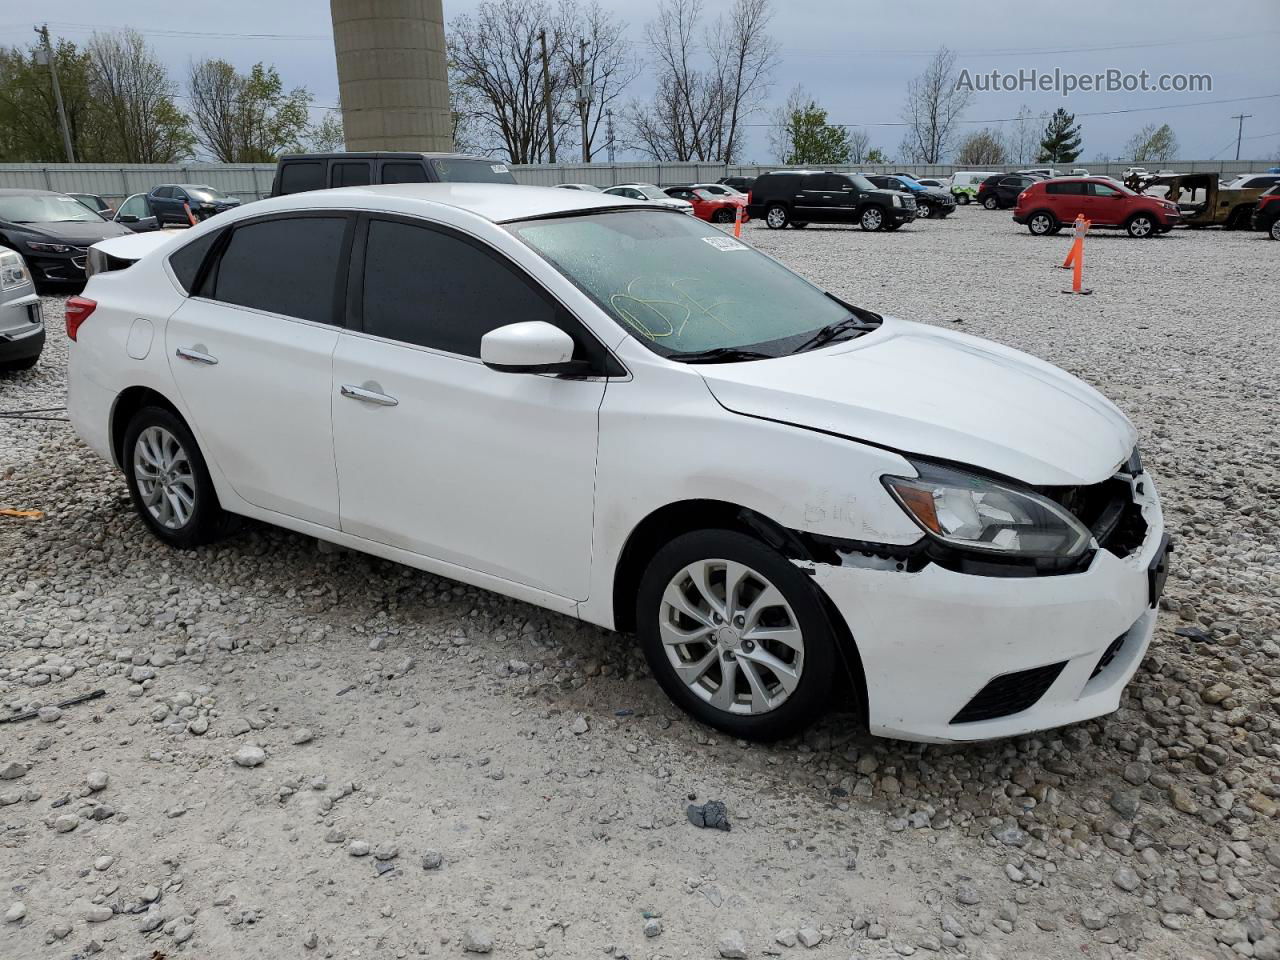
(748, 196)
(77, 312)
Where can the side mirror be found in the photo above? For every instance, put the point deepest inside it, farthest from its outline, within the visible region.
(533, 346)
(127, 218)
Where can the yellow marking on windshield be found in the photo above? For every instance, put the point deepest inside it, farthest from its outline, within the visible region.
(690, 308)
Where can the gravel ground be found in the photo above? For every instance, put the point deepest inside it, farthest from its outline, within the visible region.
(303, 753)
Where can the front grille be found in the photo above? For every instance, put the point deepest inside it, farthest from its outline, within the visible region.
(1112, 651)
(1009, 693)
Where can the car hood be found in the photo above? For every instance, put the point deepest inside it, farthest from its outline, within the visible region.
(79, 233)
(921, 390)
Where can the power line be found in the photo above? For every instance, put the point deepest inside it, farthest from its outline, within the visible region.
(1094, 113)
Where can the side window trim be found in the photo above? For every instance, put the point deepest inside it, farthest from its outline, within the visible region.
(207, 278)
(354, 299)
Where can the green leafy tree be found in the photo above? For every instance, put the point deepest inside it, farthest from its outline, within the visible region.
(327, 136)
(876, 155)
(1061, 140)
(1152, 143)
(245, 117)
(29, 127)
(802, 135)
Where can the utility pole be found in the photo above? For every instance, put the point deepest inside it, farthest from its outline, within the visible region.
(584, 99)
(608, 130)
(546, 98)
(1242, 117)
(49, 58)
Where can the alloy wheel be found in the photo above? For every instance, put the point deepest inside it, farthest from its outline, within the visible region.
(1275, 229)
(1140, 227)
(872, 219)
(776, 218)
(731, 637)
(1041, 224)
(165, 477)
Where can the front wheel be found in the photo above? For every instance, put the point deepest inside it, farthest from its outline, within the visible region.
(925, 212)
(963, 199)
(991, 203)
(872, 219)
(723, 216)
(169, 482)
(1042, 223)
(1140, 225)
(1274, 232)
(775, 218)
(736, 634)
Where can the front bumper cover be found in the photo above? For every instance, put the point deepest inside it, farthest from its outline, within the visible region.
(932, 639)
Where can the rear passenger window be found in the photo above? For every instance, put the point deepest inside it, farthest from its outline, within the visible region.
(434, 289)
(289, 266)
(350, 174)
(296, 177)
(1073, 189)
(403, 173)
(186, 261)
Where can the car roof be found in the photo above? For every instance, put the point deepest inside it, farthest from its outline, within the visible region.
(28, 192)
(495, 202)
(389, 155)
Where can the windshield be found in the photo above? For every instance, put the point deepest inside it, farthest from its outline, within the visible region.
(205, 193)
(472, 171)
(680, 286)
(46, 208)
(650, 191)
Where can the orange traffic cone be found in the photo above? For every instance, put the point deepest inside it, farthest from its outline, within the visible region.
(737, 220)
(1075, 257)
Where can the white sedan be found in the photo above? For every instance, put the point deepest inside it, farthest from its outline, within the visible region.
(648, 193)
(626, 416)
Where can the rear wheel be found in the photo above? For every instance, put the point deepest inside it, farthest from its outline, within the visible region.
(991, 202)
(1141, 225)
(1042, 223)
(169, 482)
(872, 218)
(776, 217)
(736, 634)
(963, 199)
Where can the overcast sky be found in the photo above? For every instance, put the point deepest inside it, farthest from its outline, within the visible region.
(854, 58)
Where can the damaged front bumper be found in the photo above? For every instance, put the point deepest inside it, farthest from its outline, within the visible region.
(950, 656)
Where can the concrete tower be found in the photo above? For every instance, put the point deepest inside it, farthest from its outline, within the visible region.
(393, 78)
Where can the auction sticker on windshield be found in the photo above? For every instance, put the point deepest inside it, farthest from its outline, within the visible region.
(724, 243)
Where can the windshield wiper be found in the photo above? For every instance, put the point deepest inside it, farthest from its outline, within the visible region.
(834, 330)
(721, 355)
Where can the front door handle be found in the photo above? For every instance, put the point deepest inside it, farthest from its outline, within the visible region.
(196, 356)
(367, 396)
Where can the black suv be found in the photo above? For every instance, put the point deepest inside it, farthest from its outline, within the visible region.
(930, 201)
(1001, 190)
(738, 183)
(801, 197)
(299, 172)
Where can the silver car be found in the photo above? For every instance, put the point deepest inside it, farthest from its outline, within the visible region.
(21, 322)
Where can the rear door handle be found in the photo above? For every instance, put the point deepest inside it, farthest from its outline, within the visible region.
(367, 396)
(195, 356)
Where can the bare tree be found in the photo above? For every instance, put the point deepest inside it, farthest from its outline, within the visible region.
(706, 89)
(496, 58)
(933, 109)
(329, 135)
(245, 118)
(859, 145)
(596, 60)
(136, 116)
(982, 148)
(1152, 143)
(1022, 142)
(743, 54)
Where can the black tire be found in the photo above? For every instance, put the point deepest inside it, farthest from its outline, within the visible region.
(992, 202)
(13, 366)
(776, 216)
(1141, 225)
(1274, 232)
(818, 668)
(799, 224)
(722, 216)
(871, 218)
(963, 199)
(925, 212)
(1042, 223)
(207, 521)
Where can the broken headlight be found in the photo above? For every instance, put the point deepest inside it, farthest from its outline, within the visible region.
(976, 513)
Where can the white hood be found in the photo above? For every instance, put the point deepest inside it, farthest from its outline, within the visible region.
(922, 390)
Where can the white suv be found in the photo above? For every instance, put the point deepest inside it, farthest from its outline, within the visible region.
(625, 415)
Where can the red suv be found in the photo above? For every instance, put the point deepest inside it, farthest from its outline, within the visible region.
(1049, 205)
(1266, 215)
